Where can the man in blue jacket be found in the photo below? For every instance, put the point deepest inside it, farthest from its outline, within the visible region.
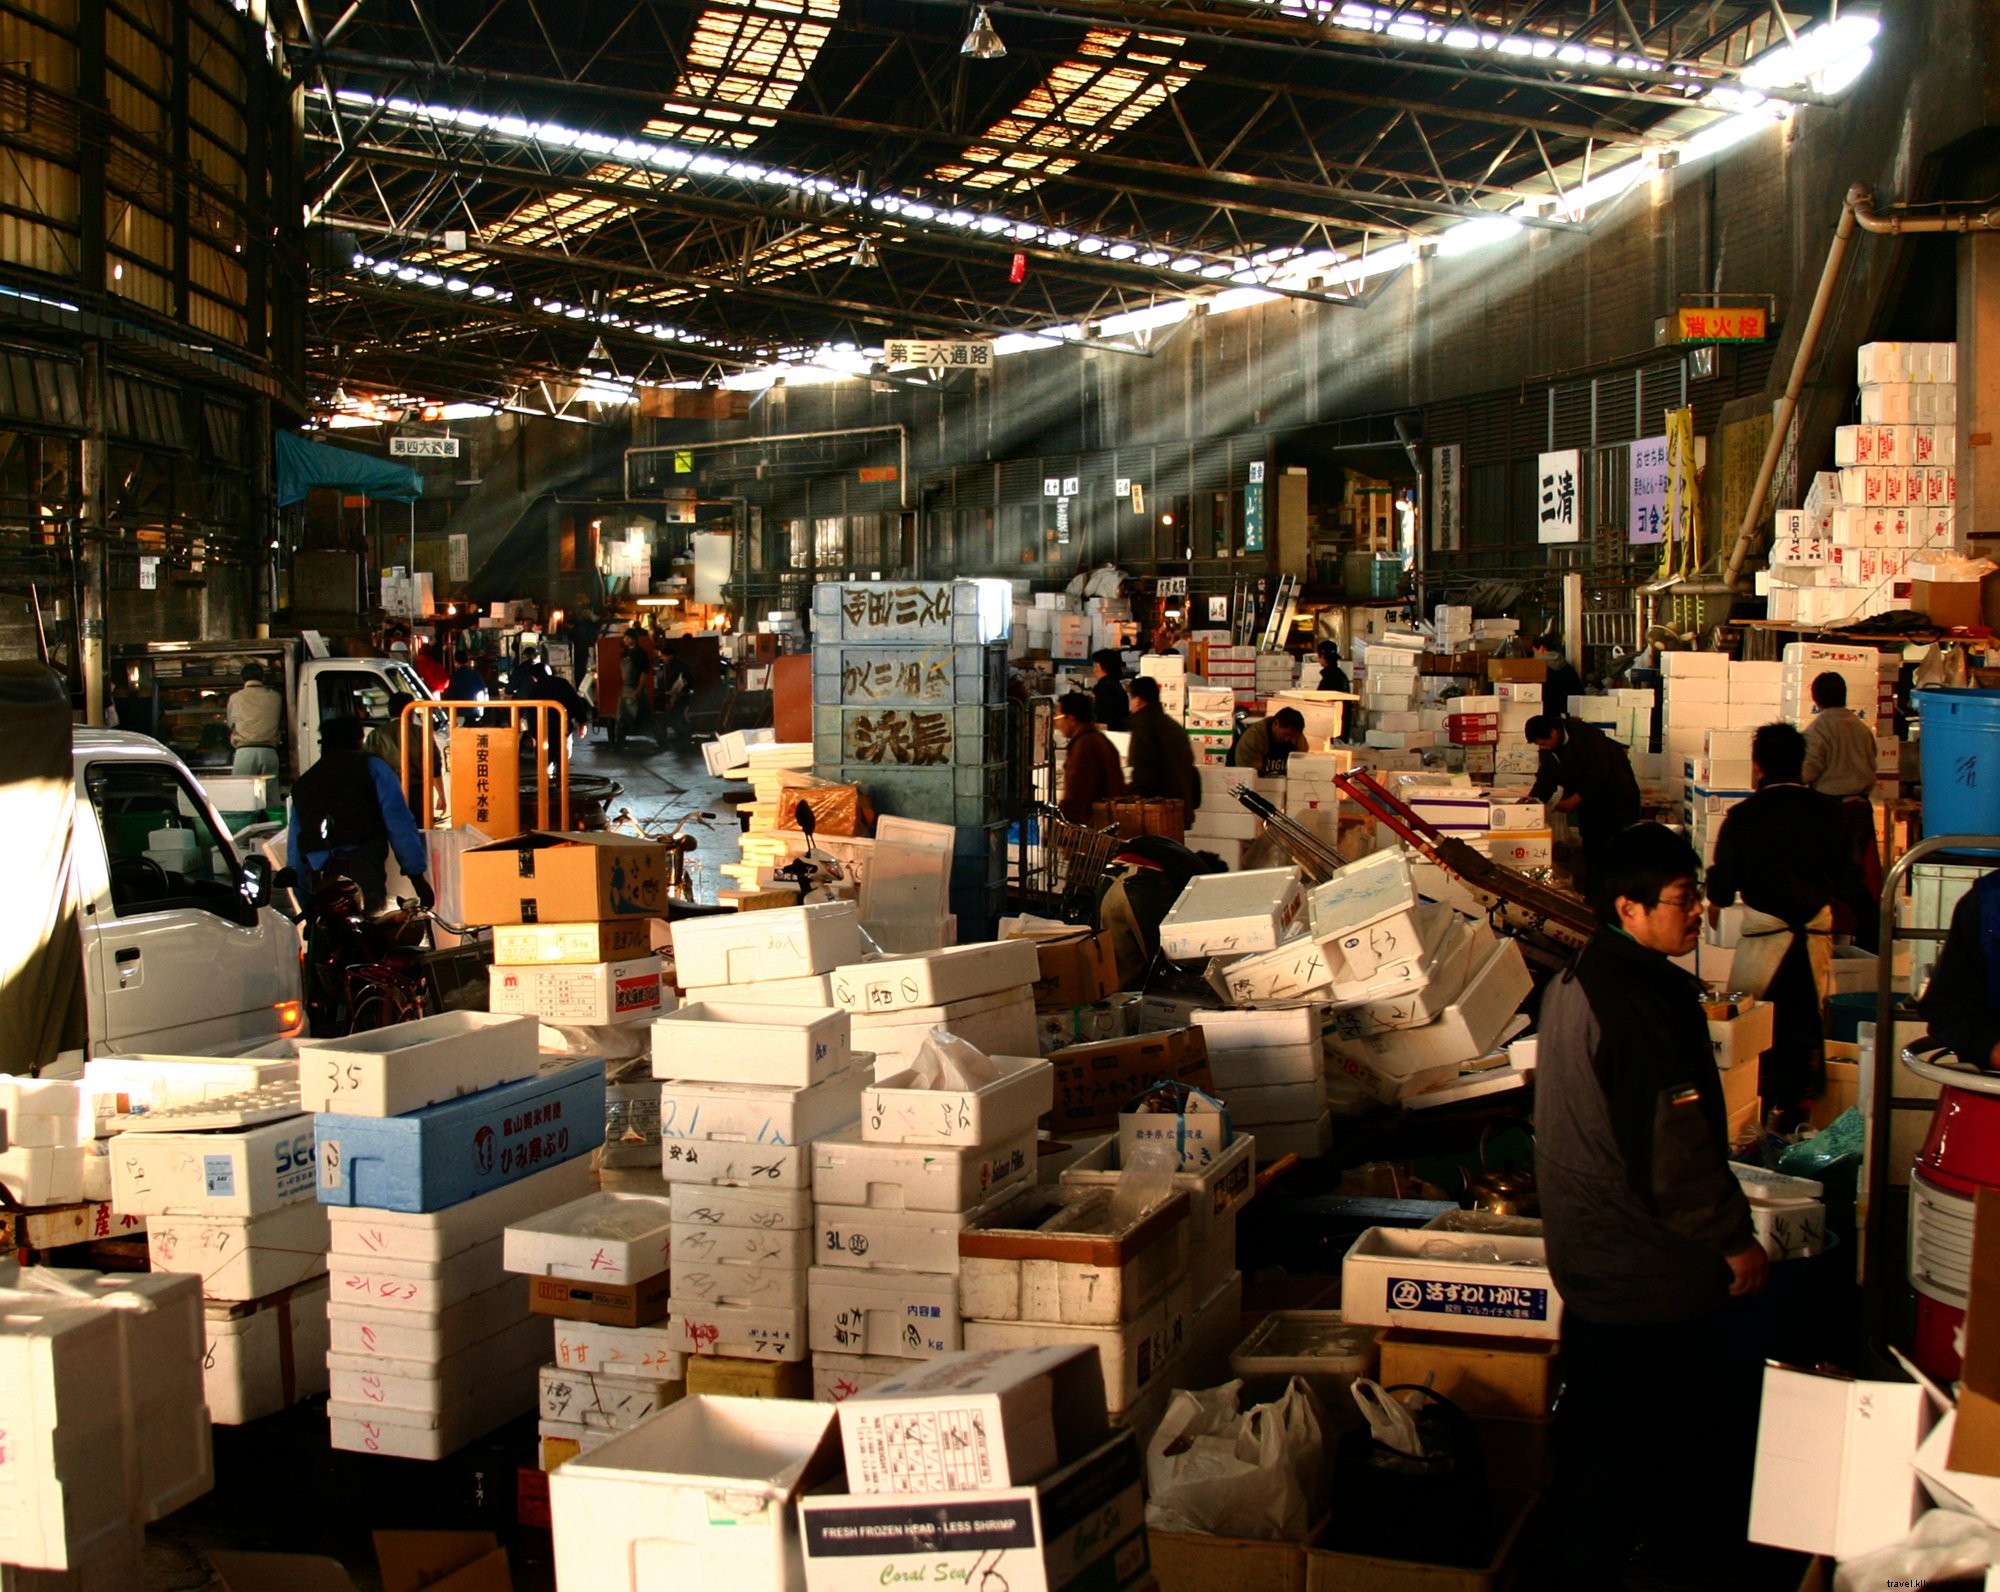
(348, 810)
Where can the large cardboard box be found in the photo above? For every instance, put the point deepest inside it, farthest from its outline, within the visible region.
(611, 940)
(546, 877)
(588, 994)
(1076, 971)
(1489, 1378)
(1093, 1083)
(1835, 1462)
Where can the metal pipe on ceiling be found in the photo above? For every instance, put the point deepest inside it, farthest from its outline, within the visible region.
(902, 450)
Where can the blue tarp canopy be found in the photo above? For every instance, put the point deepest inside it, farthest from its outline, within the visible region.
(303, 465)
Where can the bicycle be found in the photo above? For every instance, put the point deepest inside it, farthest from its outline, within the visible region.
(367, 972)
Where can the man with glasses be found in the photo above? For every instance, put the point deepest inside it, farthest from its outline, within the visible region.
(1649, 1235)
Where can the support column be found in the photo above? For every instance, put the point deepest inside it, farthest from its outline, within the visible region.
(1979, 399)
(88, 549)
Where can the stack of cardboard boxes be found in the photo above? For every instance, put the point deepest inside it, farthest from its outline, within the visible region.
(1076, 986)
(429, 1138)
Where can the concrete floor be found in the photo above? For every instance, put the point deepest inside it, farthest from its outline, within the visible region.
(665, 786)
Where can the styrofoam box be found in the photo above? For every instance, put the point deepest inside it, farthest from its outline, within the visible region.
(417, 1287)
(815, 989)
(43, 1177)
(1252, 1048)
(733, 1163)
(1080, 1265)
(1222, 914)
(699, 1496)
(424, 1335)
(788, 942)
(242, 1257)
(1216, 1193)
(1364, 917)
(783, 1286)
(248, 1360)
(760, 1114)
(614, 1239)
(838, 1377)
(1467, 945)
(742, 1332)
(425, 1434)
(433, 1386)
(592, 994)
(699, 1244)
(241, 1173)
(907, 1313)
(870, 1239)
(363, 1230)
(1262, 1069)
(1469, 1027)
(68, 1444)
(389, 1072)
(1306, 1140)
(43, 1113)
(1294, 970)
(459, 1149)
(1133, 1357)
(1000, 1025)
(784, 1047)
(767, 1210)
(646, 1352)
(850, 1171)
(1279, 1102)
(603, 1403)
(115, 1085)
(1385, 1281)
(896, 1111)
(959, 973)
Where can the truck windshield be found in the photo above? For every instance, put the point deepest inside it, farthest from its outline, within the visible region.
(160, 846)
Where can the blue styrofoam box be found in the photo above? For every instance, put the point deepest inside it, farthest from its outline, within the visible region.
(461, 1148)
(883, 612)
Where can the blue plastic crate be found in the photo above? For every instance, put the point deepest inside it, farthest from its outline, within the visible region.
(456, 1150)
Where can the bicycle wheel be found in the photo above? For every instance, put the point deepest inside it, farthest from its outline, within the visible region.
(376, 1002)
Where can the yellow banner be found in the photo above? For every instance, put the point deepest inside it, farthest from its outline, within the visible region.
(1680, 541)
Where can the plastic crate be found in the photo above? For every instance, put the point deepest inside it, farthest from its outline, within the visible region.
(966, 675)
(898, 612)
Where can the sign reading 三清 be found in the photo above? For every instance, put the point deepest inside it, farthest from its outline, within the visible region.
(1558, 504)
(1718, 324)
(423, 447)
(939, 353)
(1447, 496)
(1648, 475)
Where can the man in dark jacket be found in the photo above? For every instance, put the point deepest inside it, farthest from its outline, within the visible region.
(1331, 676)
(1648, 1233)
(1267, 745)
(1160, 753)
(1107, 689)
(1594, 774)
(348, 809)
(1091, 773)
(1962, 1001)
(1562, 682)
(1785, 850)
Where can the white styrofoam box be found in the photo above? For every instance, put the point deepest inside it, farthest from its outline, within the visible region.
(780, 1210)
(43, 1113)
(733, 1163)
(1221, 823)
(603, 1403)
(936, 978)
(1132, 1357)
(590, 994)
(698, 1243)
(1469, 1027)
(416, 1287)
(643, 1352)
(1436, 923)
(1744, 1037)
(701, 1494)
(751, 1287)
(788, 942)
(433, 1386)
(1220, 914)
(1683, 665)
(243, 1257)
(786, 1047)
(118, 1085)
(265, 1355)
(896, 1110)
(1387, 1281)
(425, 1434)
(616, 1239)
(1523, 849)
(362, 1230)
(1255, 1036)
(1081, 1263)
(1216, 1193)
(43, 1177)
(355, 1328)
(908, 1313)
(1518, 815)
(1258, 1069)
(872, 1239)
(760, 1114)
(851, 1171)
(1277, 1102)
(241, 1173)
(740, 1332)
(1294, 970)
(389, 1072)
(1412, 1008)
(1364, 917)
(814, 989)
(68, 1445)
(838, 1377)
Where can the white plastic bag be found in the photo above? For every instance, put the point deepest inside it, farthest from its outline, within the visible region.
(1941, 1546)
(944, 1061)
(1254, 1473)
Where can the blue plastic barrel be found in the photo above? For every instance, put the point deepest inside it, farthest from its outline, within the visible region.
(1961, 760)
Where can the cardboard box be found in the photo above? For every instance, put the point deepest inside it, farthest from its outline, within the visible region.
(701, 1495)
(1330, 1570)
(390, 1072)
(750, 1379)
(1489, 1378)
(1076, 971)
(1093, 1083)
(895, 1111)
(1834, 1462)
(610, 940)
(545, 877)
(1525, 671)
(785, 1047)
(791, 942)
(637, 1304)
(602, 1237)
(1385, 1281)
(961, 972)
(1975, 1445)
(410, 1561)
(1084, 1526)
(851, 1172)
(589, 994)
(1193, 1137)
(1192, 1561)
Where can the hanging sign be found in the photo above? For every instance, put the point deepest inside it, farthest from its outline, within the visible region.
(423, 447)
(1447, 496)
(935, 354)
(1719, 325)
(1648, 475)
(1557, 505)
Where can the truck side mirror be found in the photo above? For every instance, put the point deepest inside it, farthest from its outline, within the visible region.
(255, 881)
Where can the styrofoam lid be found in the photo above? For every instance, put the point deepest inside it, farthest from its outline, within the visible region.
(1306, 1343)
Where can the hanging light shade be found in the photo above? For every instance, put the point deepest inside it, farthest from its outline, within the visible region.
(983, 43)
(864, 255)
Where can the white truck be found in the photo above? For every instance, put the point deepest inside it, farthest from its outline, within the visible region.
(183, 954)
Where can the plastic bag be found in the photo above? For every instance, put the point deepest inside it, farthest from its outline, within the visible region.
(1940, 1547)
(944, 1061)
(1840, 1140)
(1254, 1473)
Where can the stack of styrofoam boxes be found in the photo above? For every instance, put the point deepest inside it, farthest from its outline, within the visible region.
(609, 1370)
(992, 1009)
(1518, 835)
(1392, 701)
(1520, 701)
(736, 1135)
(101, 1403)
(1451, 627)
(1858, 667)
(42, 1157)
(588, 975)
(1210, 718)
(728, 755)
(1279, 671)
(422, 1133)
(910, 705)
(1073, 637)
(1269, 1071)
(1170, 669)
(1227, 664)
(1626, 715)
(1221, 824)
(1110, 622)
(929, 1157)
